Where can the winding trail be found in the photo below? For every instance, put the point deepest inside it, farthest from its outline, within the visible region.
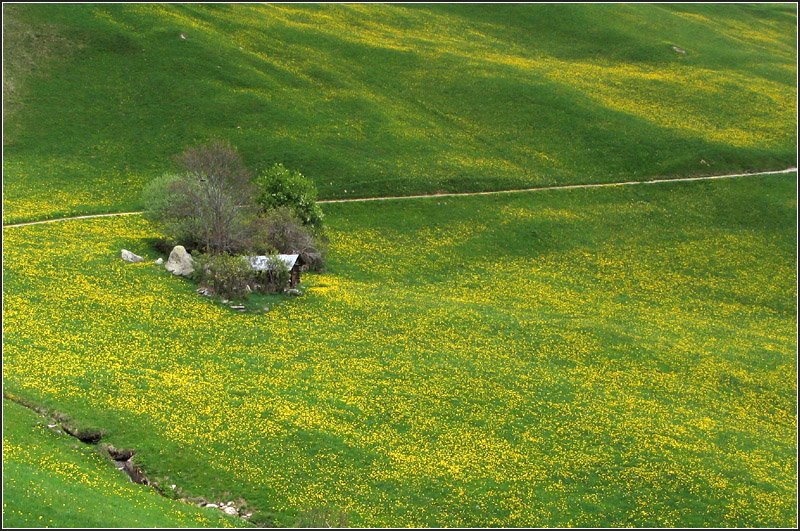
(458, 194)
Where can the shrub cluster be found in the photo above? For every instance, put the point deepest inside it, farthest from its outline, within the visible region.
(282, 231)
(210, 206)
(225, 275)
(231, 276)
(216, 207)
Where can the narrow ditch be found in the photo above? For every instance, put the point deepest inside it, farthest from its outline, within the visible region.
(122, 458)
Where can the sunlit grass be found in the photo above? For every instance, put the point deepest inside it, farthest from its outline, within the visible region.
(615, 357)
(396, 99)
(51, 480)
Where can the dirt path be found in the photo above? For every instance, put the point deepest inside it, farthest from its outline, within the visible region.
(457, 194)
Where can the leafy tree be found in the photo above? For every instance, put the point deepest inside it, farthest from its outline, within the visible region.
(281, 187)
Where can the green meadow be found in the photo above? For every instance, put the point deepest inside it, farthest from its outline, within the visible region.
(372, 100)
(606, 357)
(598, 357)
(50, 481)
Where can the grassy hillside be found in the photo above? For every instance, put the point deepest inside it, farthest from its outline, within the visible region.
(390, 99)
(51, 480)
(607, 357)
(597, 357)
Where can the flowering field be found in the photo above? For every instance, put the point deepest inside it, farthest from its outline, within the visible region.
(374, 100)
(609, 357)
(50, 482)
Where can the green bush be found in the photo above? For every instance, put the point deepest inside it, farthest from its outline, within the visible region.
(164, 199)
(273, 280)
(225, 275)
(232, 277)
(281, 187)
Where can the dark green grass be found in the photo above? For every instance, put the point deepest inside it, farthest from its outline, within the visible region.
(375, 100)
(52, 480)
(606, 357)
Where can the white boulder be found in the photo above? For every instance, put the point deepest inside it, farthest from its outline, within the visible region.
(130, 257)
(180, 262)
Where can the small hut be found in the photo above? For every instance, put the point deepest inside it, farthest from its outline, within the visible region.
(293, 263)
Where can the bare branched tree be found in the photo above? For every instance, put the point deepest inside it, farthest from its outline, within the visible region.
(211, 206)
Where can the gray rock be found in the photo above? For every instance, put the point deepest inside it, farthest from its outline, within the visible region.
(130, 257)
(180, 262)
(294, 292)
(230, 510)
(159, 261)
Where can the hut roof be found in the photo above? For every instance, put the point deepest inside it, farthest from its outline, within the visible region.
(261, 263)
